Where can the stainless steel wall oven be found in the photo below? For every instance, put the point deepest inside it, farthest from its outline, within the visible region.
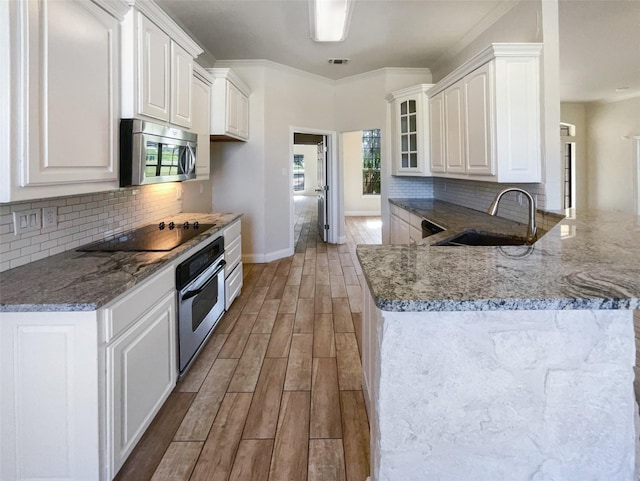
(200, 284)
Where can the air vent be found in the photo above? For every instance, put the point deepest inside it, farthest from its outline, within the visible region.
(339, 61)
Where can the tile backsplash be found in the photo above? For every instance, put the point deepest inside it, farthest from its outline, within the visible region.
(410, 187)
(479, 195)
(83, 219)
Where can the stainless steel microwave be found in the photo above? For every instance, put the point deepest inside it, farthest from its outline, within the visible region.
(153, 153)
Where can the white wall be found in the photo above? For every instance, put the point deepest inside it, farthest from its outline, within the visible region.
(255, 177)
(611, 153)
(354, 202)
(310, 153)
(575, 114)
(360, 105)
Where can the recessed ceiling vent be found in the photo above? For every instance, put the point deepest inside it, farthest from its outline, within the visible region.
(339, 61)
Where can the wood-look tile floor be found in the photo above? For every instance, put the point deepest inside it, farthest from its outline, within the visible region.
(276, 393)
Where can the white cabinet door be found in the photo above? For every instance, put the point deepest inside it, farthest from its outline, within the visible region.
(479, 132)
(437, 133)
(393, 224)
(410, 131)
(141, 371)
(181, 86)
(415, 234)
(233, 101)
(243, 116)
(61, 90)
(154, 82)
(201, 126)
(229, 106)
(49, 421)
(454, 118)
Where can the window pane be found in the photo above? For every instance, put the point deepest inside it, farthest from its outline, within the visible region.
(403, 125)
(405, 143)
(403, 108)
(405, 160)
(371, 162)
(413, 160)
(412, 123)
(413, 142)
(412, 106)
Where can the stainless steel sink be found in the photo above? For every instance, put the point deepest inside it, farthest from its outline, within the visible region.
(475, 238)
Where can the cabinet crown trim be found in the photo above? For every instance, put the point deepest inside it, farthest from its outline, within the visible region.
(202, 74)
(116, 8)
(166, 23)
(231, 76)
(495, 50)
(415, 89)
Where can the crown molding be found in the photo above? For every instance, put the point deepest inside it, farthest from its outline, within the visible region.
(116, 8)
(495, 50)
(489, 19)
(384, 71)
(414, 89)
(263, 63)
(158, 16)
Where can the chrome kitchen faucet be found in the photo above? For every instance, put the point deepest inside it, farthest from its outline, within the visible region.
(531, 228)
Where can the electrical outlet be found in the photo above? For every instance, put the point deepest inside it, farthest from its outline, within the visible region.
(49, 217)
(26, 221)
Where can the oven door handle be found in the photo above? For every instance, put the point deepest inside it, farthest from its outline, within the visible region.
(195, 292)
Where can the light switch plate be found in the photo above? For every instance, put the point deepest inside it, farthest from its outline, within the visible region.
(26, 221)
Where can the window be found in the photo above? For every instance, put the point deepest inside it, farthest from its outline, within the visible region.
(298, 172)
(371, 162)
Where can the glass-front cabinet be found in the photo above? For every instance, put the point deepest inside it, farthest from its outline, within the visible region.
(410, 131)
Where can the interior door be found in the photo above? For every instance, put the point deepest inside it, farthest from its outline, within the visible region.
(321, 190)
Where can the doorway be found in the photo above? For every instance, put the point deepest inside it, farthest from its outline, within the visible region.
(568, 156)
(316, 177)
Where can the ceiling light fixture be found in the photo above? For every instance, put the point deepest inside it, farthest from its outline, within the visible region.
(329, 19)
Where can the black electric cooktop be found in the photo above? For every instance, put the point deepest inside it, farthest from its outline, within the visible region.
(153, 237)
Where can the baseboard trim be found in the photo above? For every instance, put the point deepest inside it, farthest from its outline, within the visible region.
(264, 258)
(362, 213)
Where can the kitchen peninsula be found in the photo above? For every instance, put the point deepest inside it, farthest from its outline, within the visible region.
(503, 363)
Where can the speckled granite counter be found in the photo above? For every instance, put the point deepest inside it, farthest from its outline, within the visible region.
(86, 281)
(590, 260)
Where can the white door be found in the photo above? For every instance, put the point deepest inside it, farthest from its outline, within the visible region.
(322, 189)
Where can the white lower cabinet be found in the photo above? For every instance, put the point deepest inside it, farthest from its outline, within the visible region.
(49, 415)
(141, 373)
(406, 228)
(233, 257)
(138, 349)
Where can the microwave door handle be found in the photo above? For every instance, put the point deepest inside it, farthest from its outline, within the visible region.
(189, 294)
(192, 159)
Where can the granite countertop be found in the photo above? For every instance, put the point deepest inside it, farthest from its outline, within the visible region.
(589, 260)
(86, 281)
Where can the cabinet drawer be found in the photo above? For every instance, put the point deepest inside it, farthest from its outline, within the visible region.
(233, 285)
(394, 209)
(231, 232)
(405, 215)
(232, 254)
(121, 314)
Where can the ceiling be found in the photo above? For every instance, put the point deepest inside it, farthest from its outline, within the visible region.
(599, 39)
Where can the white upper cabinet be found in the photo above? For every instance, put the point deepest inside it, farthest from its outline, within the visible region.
(157, 66)
(454, 128)
(478, 134)
(436, 133)
(410, 131)
(155, 69)
(229, 106)
(61, 96)
(492, 123)
(201, 120)
(181, 86)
